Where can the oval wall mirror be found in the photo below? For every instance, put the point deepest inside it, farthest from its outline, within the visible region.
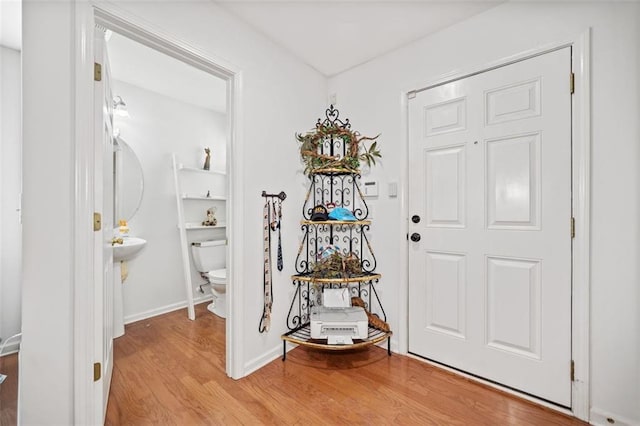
(128, 181)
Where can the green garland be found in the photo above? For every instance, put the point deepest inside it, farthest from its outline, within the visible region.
(356, 151)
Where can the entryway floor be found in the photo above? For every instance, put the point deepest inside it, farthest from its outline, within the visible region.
(169, 370)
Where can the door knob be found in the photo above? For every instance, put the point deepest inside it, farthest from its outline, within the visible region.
(415, 237)
(415, 218)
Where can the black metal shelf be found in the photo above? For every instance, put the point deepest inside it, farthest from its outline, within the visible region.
(302, 336)
(340, 188)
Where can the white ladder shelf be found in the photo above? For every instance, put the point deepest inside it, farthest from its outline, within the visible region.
(184, 225)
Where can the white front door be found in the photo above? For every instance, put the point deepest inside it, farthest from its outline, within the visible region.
(490, 189)
(103, 187)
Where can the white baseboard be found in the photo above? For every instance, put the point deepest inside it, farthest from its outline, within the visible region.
(259, 362)
(10, 349)
(600, 417)
(164, 309)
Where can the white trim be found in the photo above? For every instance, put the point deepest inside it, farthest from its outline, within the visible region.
(402, 339)
(600, 418)
(581, 181)
(13, 348)
(262, 360)
(84, 409)
(235, 230)
(471, 71)
(581, 189)
(164, 309)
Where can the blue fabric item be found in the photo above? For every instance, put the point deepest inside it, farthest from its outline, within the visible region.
(340, 213)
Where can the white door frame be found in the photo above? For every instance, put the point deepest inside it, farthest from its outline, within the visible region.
(87, 14)
(581, 189)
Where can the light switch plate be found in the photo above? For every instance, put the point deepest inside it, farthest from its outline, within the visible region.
(393, 189)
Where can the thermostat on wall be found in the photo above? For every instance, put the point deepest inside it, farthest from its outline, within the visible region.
(370, 188)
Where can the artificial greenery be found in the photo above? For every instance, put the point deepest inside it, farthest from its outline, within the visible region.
(356, 151)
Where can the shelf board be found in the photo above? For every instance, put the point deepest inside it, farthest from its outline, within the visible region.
(302, 336)
(193, 169)
(330, 171)
(203, 198)
(335, 222)
(359, 279)
(196, 225)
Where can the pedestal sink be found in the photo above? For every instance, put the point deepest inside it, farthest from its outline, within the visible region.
(128, 249)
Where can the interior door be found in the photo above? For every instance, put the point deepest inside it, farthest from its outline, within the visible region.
(490, 202)
(103, 187)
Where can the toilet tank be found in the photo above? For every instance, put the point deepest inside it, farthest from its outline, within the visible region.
(209, 255)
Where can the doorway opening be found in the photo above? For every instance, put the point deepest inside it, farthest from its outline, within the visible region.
(178, 103)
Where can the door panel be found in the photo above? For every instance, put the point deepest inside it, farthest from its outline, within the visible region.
(513, 182)
(490, 279)
(445, 185)
(103, 193)
(446, 289)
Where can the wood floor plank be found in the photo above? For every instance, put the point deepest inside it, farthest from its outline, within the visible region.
(170, 370)
(9, 390)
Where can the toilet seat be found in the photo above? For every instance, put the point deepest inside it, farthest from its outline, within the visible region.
(217, 276)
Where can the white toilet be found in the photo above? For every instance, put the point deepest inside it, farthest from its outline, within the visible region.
(210, 259)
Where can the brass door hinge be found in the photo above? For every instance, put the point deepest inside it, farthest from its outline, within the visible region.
(572, 83)
(97, 221)
(97, 371)
(573, 371)
(97, 71)
(573, 227)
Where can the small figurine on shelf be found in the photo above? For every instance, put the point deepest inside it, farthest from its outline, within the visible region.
(123, 228)
(207, 159)
(211, 219)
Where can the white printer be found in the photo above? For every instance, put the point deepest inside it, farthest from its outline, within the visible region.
(339, 325)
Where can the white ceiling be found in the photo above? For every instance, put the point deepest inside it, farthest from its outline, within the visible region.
(329, 35)
(144, 67)
(333, 35)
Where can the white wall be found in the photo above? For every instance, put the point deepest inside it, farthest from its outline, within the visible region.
(371, 96)
(280, 96)
(157, 127)
(10, 187)
(46, 353)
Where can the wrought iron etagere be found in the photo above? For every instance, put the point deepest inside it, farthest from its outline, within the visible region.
(340, 188)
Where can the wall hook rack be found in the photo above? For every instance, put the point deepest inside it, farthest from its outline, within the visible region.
(271, 223)
(281, 195)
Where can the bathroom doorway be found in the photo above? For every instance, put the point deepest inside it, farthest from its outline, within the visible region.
(168, 100)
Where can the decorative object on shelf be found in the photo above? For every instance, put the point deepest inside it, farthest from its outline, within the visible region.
(319, 214)
(374, 320)
(123, 228)
(334, 251)
(211, 218)
(333, 147)
(340, 213)
(208, 194)
(269, 224)
(207, 159)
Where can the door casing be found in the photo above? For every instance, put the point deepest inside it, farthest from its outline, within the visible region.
(581, 189)
(86, 16)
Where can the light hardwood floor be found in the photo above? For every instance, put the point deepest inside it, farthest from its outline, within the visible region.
(169, 370)
(9, 390)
